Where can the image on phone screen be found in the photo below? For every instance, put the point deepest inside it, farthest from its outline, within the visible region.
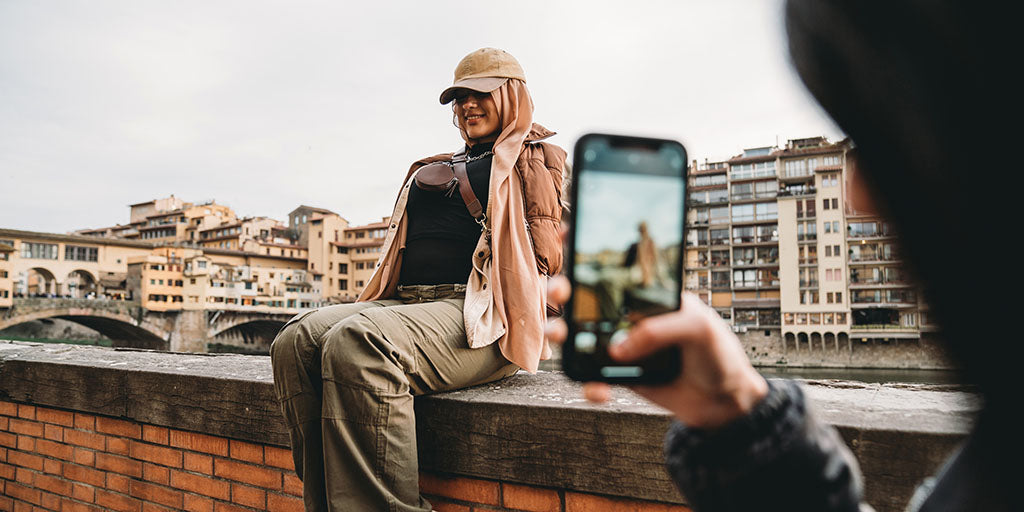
(627, 243)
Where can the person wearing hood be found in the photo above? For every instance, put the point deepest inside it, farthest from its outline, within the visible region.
(457, 299)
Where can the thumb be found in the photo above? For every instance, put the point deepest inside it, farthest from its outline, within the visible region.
(650, 335)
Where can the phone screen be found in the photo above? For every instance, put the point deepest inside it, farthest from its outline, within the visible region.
(626, 247)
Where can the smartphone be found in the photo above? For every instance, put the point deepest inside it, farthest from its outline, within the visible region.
(624, 252)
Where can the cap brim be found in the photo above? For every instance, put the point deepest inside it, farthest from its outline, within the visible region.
(486, 84)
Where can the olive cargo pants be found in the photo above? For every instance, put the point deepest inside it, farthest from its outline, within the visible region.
(345, 377)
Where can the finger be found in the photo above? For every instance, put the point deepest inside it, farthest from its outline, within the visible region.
(597, 392)
(555, 330)
(658, 332)
(559, 290)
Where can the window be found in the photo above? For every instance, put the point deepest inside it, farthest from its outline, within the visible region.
(828, 250)
(835, 203)
(828, 297)
(828, 318)
(810, 206)
(719, 258)
(719, 215)
(787, 318)
(704, 181)
(359, 265)
(343, 268)
(742, 212)
(39, 251)
(767, 211)
(359, 284)
(743, 256)
(78, 253)
(201, 263)
(806, 231)
(318, 278)
(745, 317)
(720, 280)
(741, 191)
(839, 297)
(343, 284)
(768, 233)
(763, 189)
(828, 227)
(693, 237)
(824, 204)
(744, 278)
(743, 235)
(719, 237)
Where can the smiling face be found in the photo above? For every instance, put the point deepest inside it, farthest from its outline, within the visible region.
(477, 115)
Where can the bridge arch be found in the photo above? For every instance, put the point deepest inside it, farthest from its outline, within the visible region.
(80, 283)
(250, 336)
(39, 281)
(124, 330)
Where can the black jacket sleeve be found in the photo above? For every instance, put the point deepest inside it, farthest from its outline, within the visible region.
(778, 457)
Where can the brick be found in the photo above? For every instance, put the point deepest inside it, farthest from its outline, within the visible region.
(8, 409)
(25, 460)
(6, 504)
(20, 492)
(26, 443)
(245, 473)
(156, 494)
(83, 492)
(460, 488)
(118, 446)
(53, 484)
(49, 501)
(74, 506)
(201, 485)
(7, 472)
(119, 483)
(195, 503)
(119, 464)
(118, 427)
(247, 452)
(85, 439)
(24, 477)
(56, 417)
(292, 484)
(578, 502)
(248, 496)
(21, 506)
(227, 507)
(278, 457)
(53, 433)
(156, 454)
(121, 503)
(199, 442)
(4, 421)
(9, 440)
(155, 435)
(53, 467)
(84, 457)
(26, 427)
(85, 421)
(149, 507)
(27, 411)
(84, 475)
(55, 450)
(281, 503)
(446, 506)
(156, 474)
(198, 463)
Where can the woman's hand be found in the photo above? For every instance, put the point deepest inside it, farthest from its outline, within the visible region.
(717, 383)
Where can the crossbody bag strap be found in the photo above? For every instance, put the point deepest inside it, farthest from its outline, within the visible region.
(465, 189)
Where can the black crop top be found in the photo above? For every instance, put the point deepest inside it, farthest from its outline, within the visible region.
(442, 234)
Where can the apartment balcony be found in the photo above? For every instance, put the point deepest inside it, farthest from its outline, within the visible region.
(720, 242)
(754, 241)
(885, 331)
(873, 259)
(808, 284)
(797, 191)
(761, 285)
(756, 263)
(861, 284)
(696, 222)
(796, 176)
(883, 304)
(807, 262)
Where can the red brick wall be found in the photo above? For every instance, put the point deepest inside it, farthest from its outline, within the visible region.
(58, 460)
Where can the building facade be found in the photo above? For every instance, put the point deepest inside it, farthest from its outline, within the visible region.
(773, 245)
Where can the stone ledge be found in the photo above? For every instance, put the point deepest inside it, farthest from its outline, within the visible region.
(532, 429)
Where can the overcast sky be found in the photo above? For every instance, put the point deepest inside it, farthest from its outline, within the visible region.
(267, 105)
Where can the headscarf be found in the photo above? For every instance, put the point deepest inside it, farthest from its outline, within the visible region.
(518, 287)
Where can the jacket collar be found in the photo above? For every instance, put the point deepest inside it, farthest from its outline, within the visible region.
(538, 133)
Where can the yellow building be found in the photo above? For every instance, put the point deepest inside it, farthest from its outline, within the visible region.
(342, 257)
(6, 288)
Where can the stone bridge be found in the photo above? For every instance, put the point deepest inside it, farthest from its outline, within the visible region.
(129, 325)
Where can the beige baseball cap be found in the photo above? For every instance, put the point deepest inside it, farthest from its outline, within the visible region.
(484, 71)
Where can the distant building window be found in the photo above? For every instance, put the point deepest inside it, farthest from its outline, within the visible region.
(78, 253)
(202, 264)
(317, 278)
(39, 251)
(343, 268)
(359, 284)
(343, 284)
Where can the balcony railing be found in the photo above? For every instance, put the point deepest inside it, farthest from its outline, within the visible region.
(797, 191)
